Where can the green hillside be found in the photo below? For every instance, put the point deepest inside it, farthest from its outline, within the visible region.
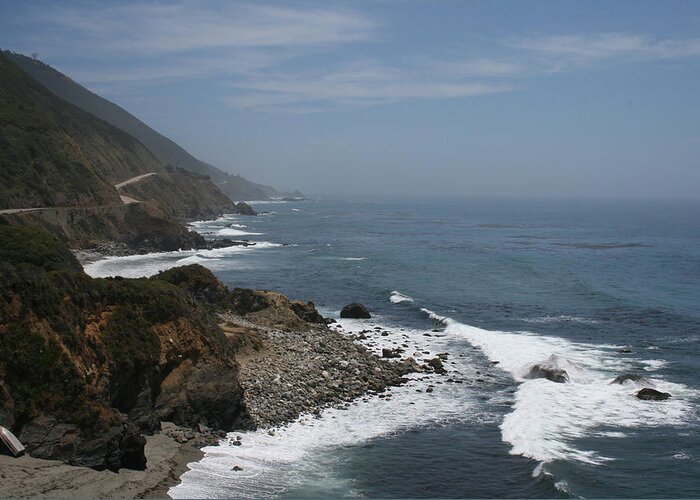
(51, 152)
(168, 152)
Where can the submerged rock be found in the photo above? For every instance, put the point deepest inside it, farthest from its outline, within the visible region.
(355, 311)
(437, 366)
(649, 394)
(630, 377)
(551, 369)
(554, 374)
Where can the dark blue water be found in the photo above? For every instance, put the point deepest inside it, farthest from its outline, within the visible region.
(609, 287)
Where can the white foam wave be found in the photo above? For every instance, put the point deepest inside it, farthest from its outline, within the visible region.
(229, 231)
(654, 364)
(139, 266)
(398, 297)
(434, 316)
(548, 418)
(195, 259)
(294, 455)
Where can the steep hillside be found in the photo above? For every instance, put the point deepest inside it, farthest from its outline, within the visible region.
(168, 152)
(87, 365)
(181, 193)
(51, 152)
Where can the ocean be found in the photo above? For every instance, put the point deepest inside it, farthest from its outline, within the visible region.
(600, 289)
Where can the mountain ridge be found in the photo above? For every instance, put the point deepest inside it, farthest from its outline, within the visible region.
(67, 162)
(166, 150)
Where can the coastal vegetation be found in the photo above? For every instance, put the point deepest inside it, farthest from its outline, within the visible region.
(82, 351)
(87, 366)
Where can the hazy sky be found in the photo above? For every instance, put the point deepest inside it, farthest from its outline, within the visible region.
(466, 98)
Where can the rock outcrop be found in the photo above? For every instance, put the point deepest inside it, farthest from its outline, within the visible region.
(242, 208)
(88, 365)
(649, 394)
(355, 311)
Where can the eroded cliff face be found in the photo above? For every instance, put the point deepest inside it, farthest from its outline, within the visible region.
(88, 365)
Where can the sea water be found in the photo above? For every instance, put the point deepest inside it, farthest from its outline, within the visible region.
(599, 289)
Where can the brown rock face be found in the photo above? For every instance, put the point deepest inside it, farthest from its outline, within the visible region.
(87, 365)
(117, 445)
(206, 394)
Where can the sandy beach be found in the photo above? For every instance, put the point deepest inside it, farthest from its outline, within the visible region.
(28, 477)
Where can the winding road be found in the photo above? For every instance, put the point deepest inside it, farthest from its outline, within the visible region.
(133, 179)
(126, 200)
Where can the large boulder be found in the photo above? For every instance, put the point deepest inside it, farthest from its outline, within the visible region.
(355, 311)
(649, 394)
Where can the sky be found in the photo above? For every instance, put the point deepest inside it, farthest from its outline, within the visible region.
(546, 99)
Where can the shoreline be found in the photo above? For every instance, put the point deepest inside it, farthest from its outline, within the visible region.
(28, 477)
(282, 345)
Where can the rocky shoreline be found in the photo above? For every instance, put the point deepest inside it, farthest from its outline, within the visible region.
(177, 347)
(292, 373)
(116, 249)
(284, 372)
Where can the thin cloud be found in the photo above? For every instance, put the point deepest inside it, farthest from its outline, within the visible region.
(192, 26)
(573, 50)
(244, 62)
(357, 84)
(480, 67)
(303, 58)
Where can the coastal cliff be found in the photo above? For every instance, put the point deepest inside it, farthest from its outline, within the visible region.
(83, 361)
(89, 366)
(82, 173)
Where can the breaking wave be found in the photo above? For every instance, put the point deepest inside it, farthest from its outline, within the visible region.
(398, 297)
(548, 418)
